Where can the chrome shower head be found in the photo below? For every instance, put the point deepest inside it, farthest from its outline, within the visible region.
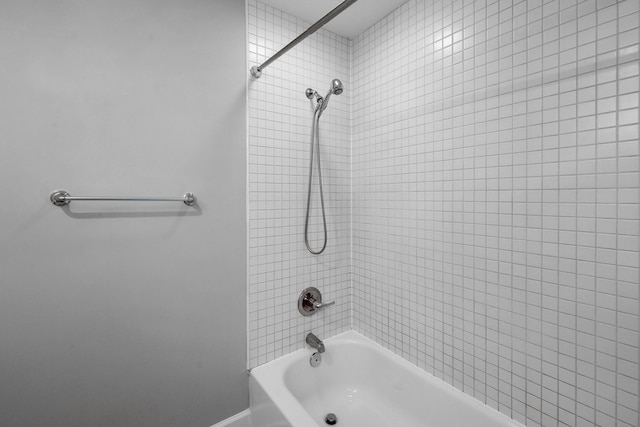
(336, 87)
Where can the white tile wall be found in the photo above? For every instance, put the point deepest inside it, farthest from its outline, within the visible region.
(279, 136)
(495, 176)
(495, 201)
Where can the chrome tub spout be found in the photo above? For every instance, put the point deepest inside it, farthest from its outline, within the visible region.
(315, 342)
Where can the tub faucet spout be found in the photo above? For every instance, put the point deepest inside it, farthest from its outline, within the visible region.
(315, 342)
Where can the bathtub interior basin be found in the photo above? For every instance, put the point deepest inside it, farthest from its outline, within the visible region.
(363, 384)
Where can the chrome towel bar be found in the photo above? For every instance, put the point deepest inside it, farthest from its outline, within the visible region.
(62, 198)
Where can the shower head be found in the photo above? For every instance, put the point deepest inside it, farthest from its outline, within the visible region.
(335, 89)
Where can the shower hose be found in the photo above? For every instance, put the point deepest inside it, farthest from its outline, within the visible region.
(315, 145)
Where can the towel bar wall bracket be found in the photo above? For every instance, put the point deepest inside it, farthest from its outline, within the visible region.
(63, 198)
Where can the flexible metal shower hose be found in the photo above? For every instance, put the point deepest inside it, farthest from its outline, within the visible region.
(315, 143)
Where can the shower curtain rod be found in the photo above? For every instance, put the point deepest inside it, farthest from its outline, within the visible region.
(256, 71)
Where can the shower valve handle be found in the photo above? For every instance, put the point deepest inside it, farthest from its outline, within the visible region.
(321, 306)
(310, 301)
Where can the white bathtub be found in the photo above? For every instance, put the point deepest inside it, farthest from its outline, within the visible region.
(364, 385)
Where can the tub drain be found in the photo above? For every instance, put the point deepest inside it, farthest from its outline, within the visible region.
(331, 419)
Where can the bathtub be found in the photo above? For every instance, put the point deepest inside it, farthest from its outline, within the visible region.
(364, 385)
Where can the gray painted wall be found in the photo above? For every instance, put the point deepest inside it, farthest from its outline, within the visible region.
(122, 314)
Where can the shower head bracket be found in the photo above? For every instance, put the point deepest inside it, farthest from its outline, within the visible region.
(309, 93)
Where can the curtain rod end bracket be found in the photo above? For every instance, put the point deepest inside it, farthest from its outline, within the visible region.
(255, 72)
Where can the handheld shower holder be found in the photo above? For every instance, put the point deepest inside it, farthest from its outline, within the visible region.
(310, 93)
(336, 88)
